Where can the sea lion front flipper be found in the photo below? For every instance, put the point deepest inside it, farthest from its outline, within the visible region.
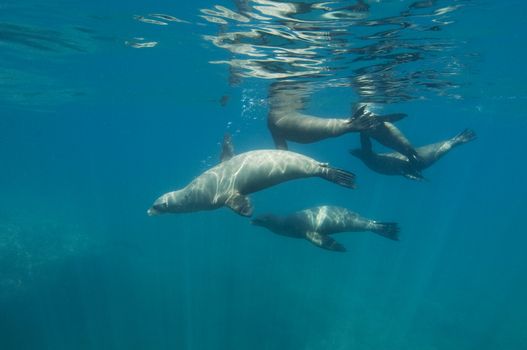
(227, 148)
(324, 241)
(363, 120)
(392, 118)
(240, 204)
(279, 141)
(416, 176)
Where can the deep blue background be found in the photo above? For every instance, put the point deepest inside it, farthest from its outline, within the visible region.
(147, 121)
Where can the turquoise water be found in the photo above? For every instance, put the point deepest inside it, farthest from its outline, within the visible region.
(94, 128)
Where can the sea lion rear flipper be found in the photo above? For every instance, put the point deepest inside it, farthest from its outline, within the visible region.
(227, 148)
(357, 110)
(362, 120)
(240, 204)
(340, 177)
(392, 118)
(465, 136)
(324, 241)
(389, 230)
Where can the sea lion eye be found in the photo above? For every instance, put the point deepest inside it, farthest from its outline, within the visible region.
(160, 206)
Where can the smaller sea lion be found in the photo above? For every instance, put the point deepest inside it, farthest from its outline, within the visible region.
(395, 163)
(316, 224)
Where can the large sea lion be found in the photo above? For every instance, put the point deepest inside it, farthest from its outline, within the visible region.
(286, 122)
(316, 224)
(395, 163)
(229, 183)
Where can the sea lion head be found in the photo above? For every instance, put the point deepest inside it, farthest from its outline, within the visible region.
(269, 221)
(172, 202)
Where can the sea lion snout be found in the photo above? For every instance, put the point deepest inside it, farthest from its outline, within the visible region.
(152, 212)
(263, 220)
(159, 207)
(256, 222)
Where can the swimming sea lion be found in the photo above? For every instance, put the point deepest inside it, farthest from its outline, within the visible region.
(286, 122)
(229, 183)
(395, 163)
(316, 224)
(291, 125)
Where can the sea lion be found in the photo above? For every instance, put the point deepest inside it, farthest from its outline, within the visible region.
(302, 128)
(287, 123)
(316, 224)
(229, 183)
(395, 163)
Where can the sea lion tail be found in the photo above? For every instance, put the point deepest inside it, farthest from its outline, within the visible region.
(389, 230)
(362, 120)
(341, 177)
(465, 136)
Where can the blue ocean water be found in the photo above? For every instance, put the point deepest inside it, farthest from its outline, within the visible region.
(95, 125)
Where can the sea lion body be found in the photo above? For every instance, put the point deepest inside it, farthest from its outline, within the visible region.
(287, 122)
(388, 163)
(289, 125)
(229, 182)
(316, 224)
(395, 163)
